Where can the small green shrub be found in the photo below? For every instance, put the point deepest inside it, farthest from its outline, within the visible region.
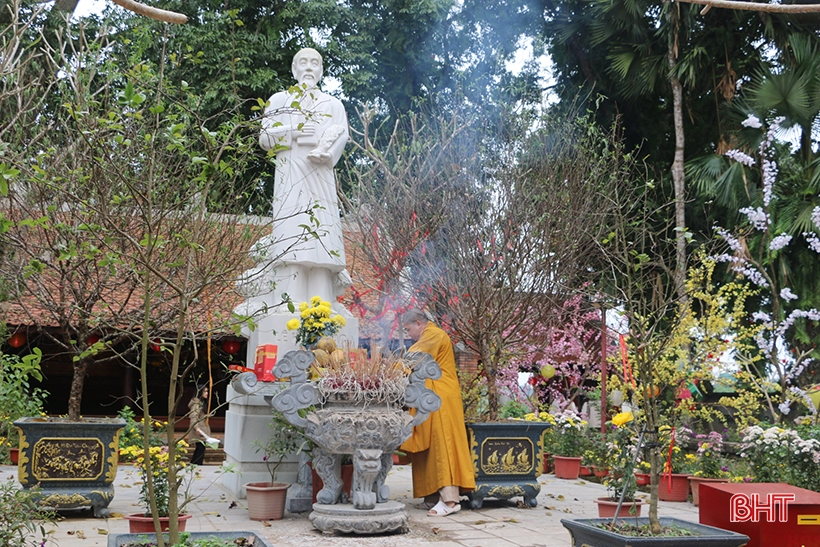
(23, 521)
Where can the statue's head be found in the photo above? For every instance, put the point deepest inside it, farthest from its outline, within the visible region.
(307, 67)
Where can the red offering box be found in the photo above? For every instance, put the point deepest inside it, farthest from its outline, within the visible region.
(771, 514)
(265, 361)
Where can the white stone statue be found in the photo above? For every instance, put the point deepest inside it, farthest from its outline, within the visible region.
(308, 141)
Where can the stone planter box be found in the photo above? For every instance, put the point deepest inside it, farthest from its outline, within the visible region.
(73, 463)
(585, 532)
(508, 458)
(120, 540)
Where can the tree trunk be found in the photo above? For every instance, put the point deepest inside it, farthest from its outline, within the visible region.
(76, 394)
(489, 367)
(678, 175)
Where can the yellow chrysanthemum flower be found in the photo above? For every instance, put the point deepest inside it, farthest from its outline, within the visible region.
(293, 324)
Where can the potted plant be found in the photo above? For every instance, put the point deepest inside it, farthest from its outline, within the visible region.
(160, 492)
(266, 500)
(674, 479)
(708, 463)
(596, 456)
(568, 441)
(620, 482)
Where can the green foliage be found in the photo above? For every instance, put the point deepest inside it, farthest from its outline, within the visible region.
(18, 398)
(286, 439)
(513, 409)
(23, 519)
(597, 453)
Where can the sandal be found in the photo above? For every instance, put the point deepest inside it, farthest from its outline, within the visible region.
(441, 509)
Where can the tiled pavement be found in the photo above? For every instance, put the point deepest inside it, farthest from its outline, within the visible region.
(496, 524)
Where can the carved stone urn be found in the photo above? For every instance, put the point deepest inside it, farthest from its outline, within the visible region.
(362, 423)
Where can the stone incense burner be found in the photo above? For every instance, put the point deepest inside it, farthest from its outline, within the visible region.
(363, 424)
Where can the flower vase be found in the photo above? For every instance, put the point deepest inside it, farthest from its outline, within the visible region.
(674, 487)
(695, 482)
(567, 467)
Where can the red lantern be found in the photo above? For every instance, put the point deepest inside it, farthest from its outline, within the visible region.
(93, 339)
(17, 339)
(230, 346)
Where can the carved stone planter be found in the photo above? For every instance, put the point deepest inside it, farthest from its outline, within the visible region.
(508, 458)
(370, 432)
(73, 463)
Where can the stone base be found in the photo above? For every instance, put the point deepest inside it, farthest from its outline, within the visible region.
(390, 516)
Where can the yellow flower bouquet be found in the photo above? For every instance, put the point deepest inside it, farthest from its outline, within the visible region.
(316, 319)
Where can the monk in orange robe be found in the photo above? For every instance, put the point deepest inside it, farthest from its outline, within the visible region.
(438, 449)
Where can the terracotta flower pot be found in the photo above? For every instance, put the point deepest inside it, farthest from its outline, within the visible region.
(547, 464)
(679, 489)
(266, 501)
(694, 483)
(642, 479)
(138, 523)
(607, 507)
(585, 471)
(14, 455)
(600, 472)
(567, 467)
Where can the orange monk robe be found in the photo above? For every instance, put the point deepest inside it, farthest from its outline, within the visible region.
(438, 448)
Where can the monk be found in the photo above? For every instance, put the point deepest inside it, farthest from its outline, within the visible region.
(438, 449)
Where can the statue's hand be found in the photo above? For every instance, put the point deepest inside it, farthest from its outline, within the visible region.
(319, 157)
(308, 129)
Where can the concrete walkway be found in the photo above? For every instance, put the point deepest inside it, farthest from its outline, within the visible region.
(496, 524)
